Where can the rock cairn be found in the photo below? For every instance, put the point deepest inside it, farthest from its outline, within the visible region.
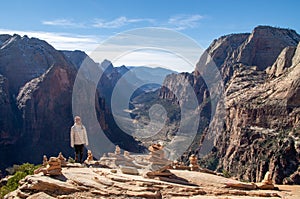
(52, 168)
(267, 182)
(157, 157)
(116, 159)
(194, 166)
(89, 158)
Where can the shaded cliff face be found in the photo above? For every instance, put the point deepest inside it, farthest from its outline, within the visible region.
(23, 58)
(260, 129)
(9, 127)
(45, 104)
(36, 83)
(37, 87)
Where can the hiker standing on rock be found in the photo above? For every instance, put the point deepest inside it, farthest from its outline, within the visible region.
(78, 138)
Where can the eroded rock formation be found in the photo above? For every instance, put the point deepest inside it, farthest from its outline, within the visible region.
(260, 118)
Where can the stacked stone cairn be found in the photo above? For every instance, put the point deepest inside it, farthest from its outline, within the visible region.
(89, 159)
(158, 163)
(117, 160)
(194, 166)
(52, 167)
(157, 157)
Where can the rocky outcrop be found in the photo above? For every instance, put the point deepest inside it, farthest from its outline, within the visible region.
(21, 60)
(260, 130)
(261, 125)
(107, 183)
(263, 46)
(283, 61)
(48, 115)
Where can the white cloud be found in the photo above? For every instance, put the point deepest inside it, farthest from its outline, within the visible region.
(62, 41)
(150, 47)
(137, 47)
(182, 22)
(118, 22)
(63, 22)
(154, 58)
(141, 57)
(177, 22)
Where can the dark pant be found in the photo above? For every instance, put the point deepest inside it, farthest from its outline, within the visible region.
(78, 152)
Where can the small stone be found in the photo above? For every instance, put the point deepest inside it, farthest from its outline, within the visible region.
(63, 160)
(265, 186)
(144, 194)
(40, 195)
(129, 170)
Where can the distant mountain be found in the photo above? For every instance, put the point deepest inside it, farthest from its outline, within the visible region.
(143, 78)
(149, 74)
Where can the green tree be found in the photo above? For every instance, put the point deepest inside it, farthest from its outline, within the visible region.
(21, 172)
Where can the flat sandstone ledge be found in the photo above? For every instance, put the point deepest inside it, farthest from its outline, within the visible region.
(103, 183)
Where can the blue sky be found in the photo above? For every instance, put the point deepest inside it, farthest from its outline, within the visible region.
(84, 24)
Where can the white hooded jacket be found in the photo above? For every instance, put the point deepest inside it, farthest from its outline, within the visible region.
(78, 135)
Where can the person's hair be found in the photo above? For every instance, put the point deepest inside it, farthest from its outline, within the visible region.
(77, 117)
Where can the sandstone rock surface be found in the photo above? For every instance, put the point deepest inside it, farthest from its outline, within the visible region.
(101, 183)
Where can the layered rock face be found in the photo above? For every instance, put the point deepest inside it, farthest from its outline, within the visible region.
(261, 127)
(261, 124)
(264, 44)
(260, 130)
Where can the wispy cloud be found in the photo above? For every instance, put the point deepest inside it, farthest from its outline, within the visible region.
(63, 22)
(182, 22)
(62, 41)
(119, 22)
(177, 22)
